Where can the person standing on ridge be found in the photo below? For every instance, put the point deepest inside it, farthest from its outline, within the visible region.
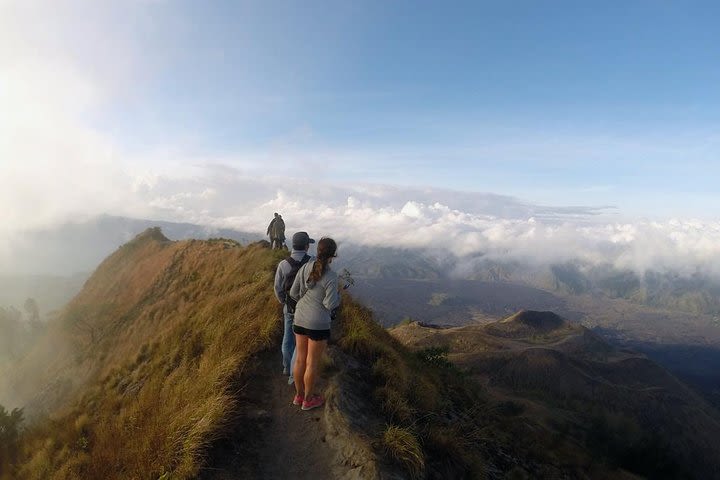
(270, 229)
(276, 232)
(284, 277)
(316, 290)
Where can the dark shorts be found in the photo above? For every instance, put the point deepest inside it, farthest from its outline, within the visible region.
(316, 335)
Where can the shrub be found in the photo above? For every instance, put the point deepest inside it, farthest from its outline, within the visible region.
(437, 356)
(9, 431)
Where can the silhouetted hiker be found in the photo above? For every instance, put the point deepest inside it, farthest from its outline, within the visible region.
(276, 232)
(284, 277)
(316, 290)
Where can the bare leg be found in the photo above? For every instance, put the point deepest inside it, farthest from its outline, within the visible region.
(315, 351)
(301, 353)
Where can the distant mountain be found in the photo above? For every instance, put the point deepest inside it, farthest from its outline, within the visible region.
(79, 247)
(696, 294)
(623, 407)
(51, 292)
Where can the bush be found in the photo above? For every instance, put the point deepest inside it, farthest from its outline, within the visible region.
(437, 356)
(9, 432)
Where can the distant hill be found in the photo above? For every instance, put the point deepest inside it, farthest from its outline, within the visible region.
(698, 293)
(51, 292)
(531, 323)
(623, 407)
(450, 301)
(80, 246)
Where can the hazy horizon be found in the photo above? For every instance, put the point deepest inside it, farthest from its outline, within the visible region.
(593, 134)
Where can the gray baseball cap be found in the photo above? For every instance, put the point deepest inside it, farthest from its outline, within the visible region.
(301, 239)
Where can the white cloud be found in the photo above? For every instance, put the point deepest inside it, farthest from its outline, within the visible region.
(460, 223)
(57, 164)
(54, 163)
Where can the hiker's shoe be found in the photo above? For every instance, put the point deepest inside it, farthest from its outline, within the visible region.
(313, 402)
(291, 380)
(298, 400)
(286, 371)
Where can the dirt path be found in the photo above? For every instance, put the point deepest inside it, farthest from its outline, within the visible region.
(274, 439)
(294, 441)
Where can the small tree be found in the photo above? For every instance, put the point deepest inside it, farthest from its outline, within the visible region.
(79, 321)
(32, 310)
(10, 333)
(9, 432)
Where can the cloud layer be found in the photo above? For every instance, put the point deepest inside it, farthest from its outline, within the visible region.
(458, 223)
(445, 222)
(58, 164)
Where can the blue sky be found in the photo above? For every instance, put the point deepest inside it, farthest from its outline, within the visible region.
(561, 102)
(500, 125)
(557, 103)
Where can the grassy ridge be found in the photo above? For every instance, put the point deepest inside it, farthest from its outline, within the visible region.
(433, 421)
(162, 334)
(160, 341)
(437, 421)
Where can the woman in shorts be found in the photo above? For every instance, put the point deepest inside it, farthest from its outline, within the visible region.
(316, 290)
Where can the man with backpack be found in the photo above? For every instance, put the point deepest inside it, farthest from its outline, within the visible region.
(284, 277)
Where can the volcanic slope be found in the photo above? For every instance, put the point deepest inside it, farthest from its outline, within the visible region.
(622, 407)
(151, 369)
(166, 366)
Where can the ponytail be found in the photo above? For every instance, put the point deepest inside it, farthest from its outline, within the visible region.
(326, 249)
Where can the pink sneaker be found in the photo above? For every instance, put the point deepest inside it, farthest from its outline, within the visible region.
(313, 402)
(298, 400)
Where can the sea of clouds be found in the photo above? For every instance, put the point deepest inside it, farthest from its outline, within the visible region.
(456, 223)
(59, 164)
(459, 223)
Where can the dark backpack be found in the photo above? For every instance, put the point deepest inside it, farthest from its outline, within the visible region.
(290, 302)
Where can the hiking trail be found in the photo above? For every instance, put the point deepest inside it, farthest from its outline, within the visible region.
(273, 439)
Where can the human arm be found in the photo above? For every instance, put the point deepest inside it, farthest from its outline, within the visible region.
(278, 285)
(332, 294)
(296, 291)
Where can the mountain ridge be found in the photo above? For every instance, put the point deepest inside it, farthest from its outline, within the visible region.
(168, 350)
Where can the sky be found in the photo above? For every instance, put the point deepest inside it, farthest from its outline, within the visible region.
(220, 112)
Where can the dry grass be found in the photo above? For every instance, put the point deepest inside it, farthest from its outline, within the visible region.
(416, 399)
(163, 332)
(402, 445)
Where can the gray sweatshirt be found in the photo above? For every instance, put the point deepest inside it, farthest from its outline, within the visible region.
(315, 302)
(283, 270)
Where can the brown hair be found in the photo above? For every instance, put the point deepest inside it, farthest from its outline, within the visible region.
(326, 249)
